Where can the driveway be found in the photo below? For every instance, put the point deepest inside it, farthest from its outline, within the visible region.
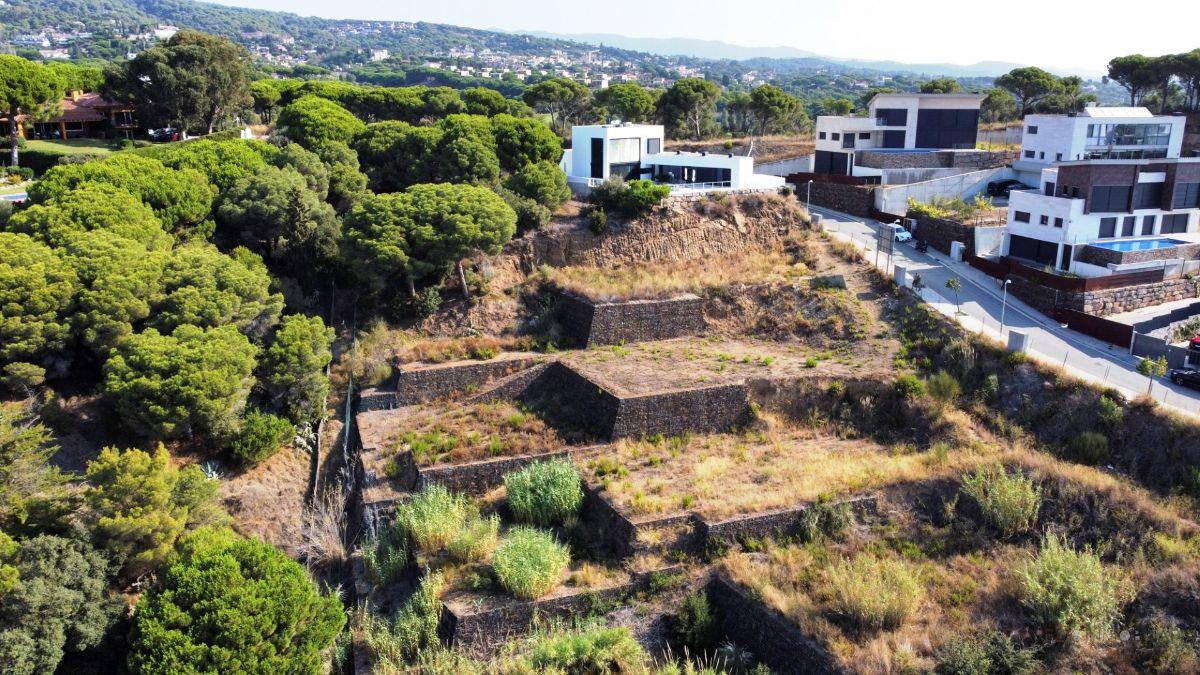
(982, 298)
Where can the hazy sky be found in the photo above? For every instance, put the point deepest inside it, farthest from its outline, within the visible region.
(1062, 34)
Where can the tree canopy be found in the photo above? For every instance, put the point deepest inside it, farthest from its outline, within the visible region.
(294, 367)
(628, 101)
(688, 106)
(1028, 86)
(29, 88)
(93, 206)
(941, 85)
(203, 287)
(227, 604)
(567, 101)
(774, 108)
(37, 291)
(310, 120)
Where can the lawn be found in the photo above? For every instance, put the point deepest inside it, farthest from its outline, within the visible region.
(13, 189)
(73, 146)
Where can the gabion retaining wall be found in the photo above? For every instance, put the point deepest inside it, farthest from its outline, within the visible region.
(427, 382)
(590, 323)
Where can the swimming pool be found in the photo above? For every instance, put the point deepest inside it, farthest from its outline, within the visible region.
(1138, 244)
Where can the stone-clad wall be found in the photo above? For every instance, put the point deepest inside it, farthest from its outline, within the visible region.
(931, 160)
(566, 398)
(772, 638)
(608, 323)
(706, 410)
(1103, 302)
(423, 383)
(1097, 255)
(856, 200)
(376, 399)
(773, 524)
(939, 232)
(477, 478)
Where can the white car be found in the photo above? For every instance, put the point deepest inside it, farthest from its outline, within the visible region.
(901, 235)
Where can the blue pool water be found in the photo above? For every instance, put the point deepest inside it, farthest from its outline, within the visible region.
(1138, 244)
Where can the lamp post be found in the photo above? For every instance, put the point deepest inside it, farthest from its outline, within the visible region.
(1004, 306)
(808, 196)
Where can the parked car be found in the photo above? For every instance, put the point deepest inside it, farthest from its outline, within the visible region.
(898, 232)
(1001, 188)
(1185, 376)
(163, 135)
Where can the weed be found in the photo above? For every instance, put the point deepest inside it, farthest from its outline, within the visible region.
(528, 563)
(544, 493)
(1069, 590)
(433, 518)
(874, 592)
(1009, 502)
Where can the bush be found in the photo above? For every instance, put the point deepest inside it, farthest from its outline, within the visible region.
(530, 214)
(385, 558)
(1109, 411)
(1089, 447)
(608, 194)
(643, 195)
(984, 654)
(227, 603)
(785, 191)
(874, 593)
(1164, 647)
(1069, 590)
(695, 625)
(544, 493)
(20, 376)
(597, 220)
(423, 305)
(943, 387)
(433, 518)
(262, 435)
(823, 519)
(1009, 502)
(476, 541)
(529, 562)
(414, 629)
(909, 386)
(598, 649)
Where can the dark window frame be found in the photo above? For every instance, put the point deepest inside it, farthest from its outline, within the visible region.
(1021, 216)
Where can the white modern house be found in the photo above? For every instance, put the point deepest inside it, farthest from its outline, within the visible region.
(896, 123)
(635, 151)
(1095, 217)
(1096, 133)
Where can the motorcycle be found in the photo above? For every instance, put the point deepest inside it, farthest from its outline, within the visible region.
(922, 246)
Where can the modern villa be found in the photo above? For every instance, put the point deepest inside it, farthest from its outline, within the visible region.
(635, 151)
(1101, 216)
(1096, 133)
(899, 131)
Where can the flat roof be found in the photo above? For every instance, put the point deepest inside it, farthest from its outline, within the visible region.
(917, 94)
(621, 125)
(1160, 160)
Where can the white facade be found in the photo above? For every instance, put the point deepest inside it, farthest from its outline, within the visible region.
(1044, 215)
(601, 151)
(1097, 133)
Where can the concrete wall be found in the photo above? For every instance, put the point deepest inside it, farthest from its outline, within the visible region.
(989, 240)
(606, 323)
(786, 167)
(894, 198)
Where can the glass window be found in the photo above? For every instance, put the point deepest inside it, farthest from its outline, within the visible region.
(1175, 223)
(1128, 134)
(1187, 196)
(1021, 216)
(1058, 222)
(1031, 129)
(1044, 220)
(864, 136)
(1147, 225)
(624, 150)
(1108, 227)
(835, 136)
(1028, 154)
(821, 135)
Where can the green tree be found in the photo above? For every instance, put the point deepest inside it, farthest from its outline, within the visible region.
(520, 141)
(565, 100)
(378, 238)
(275, 213)
(77, 77)
(228, 605)
(998, 106)
(262, 435)
(396, 155)
(61, 605)
(308, 164)
(33, 491)
(265, 95)
(467, 151)
(203, 287)
(941, 85)
(310, 120)
(837, 106)
(773, 107)
(10, 576)
(118, 278)
(141, 504)
(629, 101)
(955, 284)
(191, 81)
(543, 182)
(1028, 85)
(347, 182)
(1135, 73)
(689, 104)
(484, 101)
(190, 382)
(1068, 97)
(294, 367)
(26, 88)
(37, 291)
(181, 198)
(92, 206)
(1152, 368)
(222, 163)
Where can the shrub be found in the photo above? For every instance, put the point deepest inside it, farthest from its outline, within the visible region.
(386, 557)
(530, 214)
(1109, 411)
(597, 649)
(1164, 647)
(544, 493)
(226, 602)
(529, 562)
(943, 387)
(608, 195)
(262, 435)
(643, 195)
(909, 386)
(823, 519)
(785, 191)
(1009, 502)
(1068, 590)
(543, 182)
(597, 221)
(414, 629)
(433, 518)
(1089, 447)
(695, 625)
(873, 592)
(984, 654)
(477, 540)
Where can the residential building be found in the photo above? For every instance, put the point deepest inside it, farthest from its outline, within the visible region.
(378, 55)
(896, 123)
(83, 116)
(635, 151)
(1096, 133)
(1094, 217)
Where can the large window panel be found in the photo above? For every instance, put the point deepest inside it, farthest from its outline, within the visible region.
(1187, 196)
(624, 150)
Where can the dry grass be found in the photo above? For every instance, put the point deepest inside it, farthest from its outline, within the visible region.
(450, 432)
(323, 539)
(379, 348)
(643, 281)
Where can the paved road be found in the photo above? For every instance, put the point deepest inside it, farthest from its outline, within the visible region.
(983, 299)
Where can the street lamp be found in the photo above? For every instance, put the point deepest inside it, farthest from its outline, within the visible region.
(808, 196)
(1004, 306)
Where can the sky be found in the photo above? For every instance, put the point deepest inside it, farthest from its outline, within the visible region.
(1057, 34)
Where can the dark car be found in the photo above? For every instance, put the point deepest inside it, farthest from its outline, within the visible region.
(1001, 188)
(1186, 376)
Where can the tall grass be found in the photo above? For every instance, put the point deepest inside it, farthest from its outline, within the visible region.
(1069, 590)
(529, 562)
(874, 592)
(1009, 502)
(415, 628)
(476, 540)
(544, 493)
(434, 517)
